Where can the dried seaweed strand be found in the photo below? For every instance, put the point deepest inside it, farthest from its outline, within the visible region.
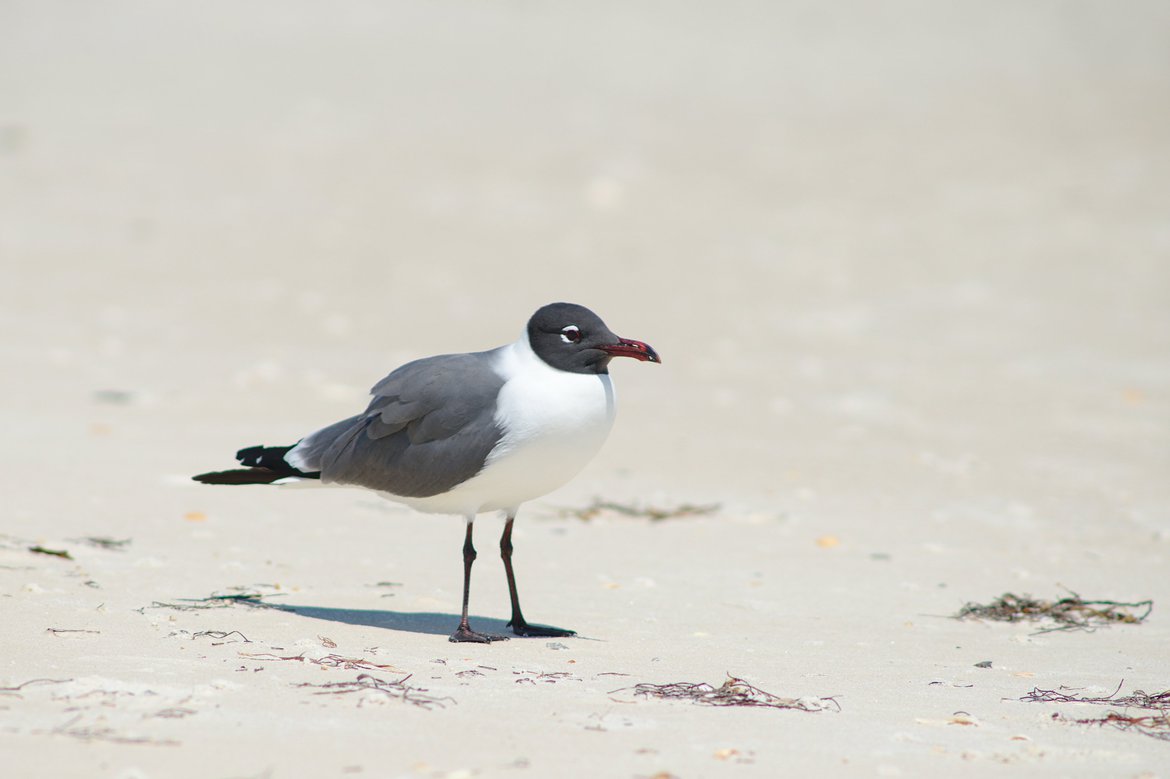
(86, 733)
(62, 553)
(1137, 699)
(221, 635)
(329, 661)
(549, 677)
(1152, 725)
(647, 512)
(398, 689)
(103, 542)
(20, 687)
(1071, 613)
(733, 692)
(245, 598)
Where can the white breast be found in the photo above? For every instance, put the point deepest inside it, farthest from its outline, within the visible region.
(554, 422)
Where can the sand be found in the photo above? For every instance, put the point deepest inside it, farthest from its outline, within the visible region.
(908, 267)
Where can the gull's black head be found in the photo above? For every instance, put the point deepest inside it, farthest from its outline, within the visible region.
(572, 338)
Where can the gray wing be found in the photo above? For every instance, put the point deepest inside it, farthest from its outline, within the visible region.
(430, 426)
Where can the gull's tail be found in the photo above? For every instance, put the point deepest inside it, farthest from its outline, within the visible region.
(265, 465)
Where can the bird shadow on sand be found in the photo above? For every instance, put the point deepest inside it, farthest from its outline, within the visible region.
(425, 622)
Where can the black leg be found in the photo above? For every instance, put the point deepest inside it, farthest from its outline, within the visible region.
(518, 624)
(464, 631)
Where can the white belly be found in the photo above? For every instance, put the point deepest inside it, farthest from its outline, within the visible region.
(554, 423)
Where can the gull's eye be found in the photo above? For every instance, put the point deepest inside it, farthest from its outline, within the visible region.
(570, 334)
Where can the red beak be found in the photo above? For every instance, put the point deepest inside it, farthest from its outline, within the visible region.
(627, 347)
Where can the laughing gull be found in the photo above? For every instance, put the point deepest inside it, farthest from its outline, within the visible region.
(469, 433)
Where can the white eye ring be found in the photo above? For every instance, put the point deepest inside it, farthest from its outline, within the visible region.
(571, 334)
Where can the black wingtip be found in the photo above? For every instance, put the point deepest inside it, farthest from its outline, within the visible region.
(263, 465)
(240, 476)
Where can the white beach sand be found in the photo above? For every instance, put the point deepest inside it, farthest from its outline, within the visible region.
(908, 267)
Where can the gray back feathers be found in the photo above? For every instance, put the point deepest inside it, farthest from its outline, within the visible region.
(430, 426)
